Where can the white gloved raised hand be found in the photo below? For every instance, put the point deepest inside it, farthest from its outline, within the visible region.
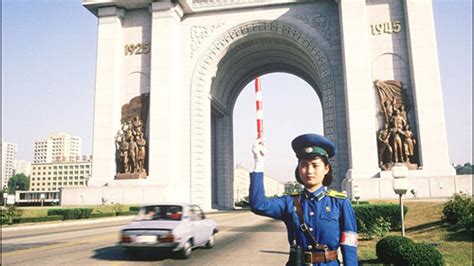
(259, 150)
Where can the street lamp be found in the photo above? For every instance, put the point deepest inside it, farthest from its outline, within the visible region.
(82, 198)
(400, 187)
(5, 195)
(42, 196)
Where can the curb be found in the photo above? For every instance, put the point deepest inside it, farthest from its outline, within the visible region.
(55, 224)
(30, 226)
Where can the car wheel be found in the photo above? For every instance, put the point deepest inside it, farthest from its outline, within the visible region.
(211, 242)
(185, 252)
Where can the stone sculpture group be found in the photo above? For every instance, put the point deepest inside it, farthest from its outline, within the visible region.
(396, 141)
(130, 147)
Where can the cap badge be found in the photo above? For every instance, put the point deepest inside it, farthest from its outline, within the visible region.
(308, 150)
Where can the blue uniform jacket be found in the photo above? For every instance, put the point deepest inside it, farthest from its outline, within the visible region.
(331, 220)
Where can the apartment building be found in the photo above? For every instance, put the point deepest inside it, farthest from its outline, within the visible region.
(56, 175)
(57, 147)
(9, 151)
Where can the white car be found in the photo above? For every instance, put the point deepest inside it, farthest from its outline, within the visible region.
(169, 227)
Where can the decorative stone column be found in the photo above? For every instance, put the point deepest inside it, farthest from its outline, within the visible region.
(426, 84)
(107, 93)
(358, 89)
(169, 146)
(224, 161)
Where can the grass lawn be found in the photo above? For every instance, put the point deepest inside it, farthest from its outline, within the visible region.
(423, 224)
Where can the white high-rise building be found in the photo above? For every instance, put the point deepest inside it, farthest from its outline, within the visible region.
(57, 147)
(22, 167)
(8, 161)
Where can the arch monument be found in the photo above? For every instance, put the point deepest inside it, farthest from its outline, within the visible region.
(169, 73)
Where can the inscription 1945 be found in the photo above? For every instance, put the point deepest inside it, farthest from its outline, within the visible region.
(388, 27)
(136, 49)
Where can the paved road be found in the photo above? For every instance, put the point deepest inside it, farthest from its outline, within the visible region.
(244, 239)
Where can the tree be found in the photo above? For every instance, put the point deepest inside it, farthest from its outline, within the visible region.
(293, 187)
(465, 169)
(18, 182)
(4, 189)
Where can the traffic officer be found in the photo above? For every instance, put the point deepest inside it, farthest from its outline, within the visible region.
(318, 220)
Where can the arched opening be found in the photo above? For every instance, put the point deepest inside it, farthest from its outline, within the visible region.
(233, 61)
(291, 107)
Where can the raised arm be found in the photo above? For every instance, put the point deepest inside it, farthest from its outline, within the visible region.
(260, 205)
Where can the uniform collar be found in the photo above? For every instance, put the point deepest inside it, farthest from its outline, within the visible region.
(319, 194)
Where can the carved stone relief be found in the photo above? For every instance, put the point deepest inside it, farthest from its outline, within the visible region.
(396, 141)
(218, 3)
(320, 22)
(199, 33)
(130, 141)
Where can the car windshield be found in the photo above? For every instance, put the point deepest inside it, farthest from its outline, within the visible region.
(160, 212)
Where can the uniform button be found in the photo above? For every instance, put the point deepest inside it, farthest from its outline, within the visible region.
(311, 213)
(311, 229)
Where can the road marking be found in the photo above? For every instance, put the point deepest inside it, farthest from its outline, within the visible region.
(56, 246)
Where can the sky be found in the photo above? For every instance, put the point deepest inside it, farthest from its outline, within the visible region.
(48, 82)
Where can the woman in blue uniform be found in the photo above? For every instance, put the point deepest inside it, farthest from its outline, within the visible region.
(318, 221)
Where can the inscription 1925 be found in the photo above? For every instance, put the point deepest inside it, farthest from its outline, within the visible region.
(136, 49)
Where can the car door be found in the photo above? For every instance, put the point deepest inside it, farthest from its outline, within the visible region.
(199, 228)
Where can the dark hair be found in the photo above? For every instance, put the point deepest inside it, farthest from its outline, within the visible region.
(327, 180)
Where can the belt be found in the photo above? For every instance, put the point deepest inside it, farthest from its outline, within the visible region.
(319, 257)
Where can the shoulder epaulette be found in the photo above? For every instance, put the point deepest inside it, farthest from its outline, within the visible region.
(295, 194)
(336, 194)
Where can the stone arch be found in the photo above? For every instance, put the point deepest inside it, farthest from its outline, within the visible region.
(219, 77)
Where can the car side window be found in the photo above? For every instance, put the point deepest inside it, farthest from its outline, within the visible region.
(195, 213)
(191, 213)
(199, 213)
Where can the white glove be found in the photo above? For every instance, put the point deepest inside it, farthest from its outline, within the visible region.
(259, 150)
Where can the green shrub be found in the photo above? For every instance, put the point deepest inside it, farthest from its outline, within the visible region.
(100, 215)
(4, 220)
(134, 208)
(369, 213)
(420, 254)
(388, 249)
(40, 219)
(468, 222)
(125, 213)
(117, 207)
(379, 229)
(360, 202)
(74, 213)
(241, 203)
(10, 214)
(458, 211)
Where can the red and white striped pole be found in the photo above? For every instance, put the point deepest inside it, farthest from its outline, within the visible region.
(259, 105)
